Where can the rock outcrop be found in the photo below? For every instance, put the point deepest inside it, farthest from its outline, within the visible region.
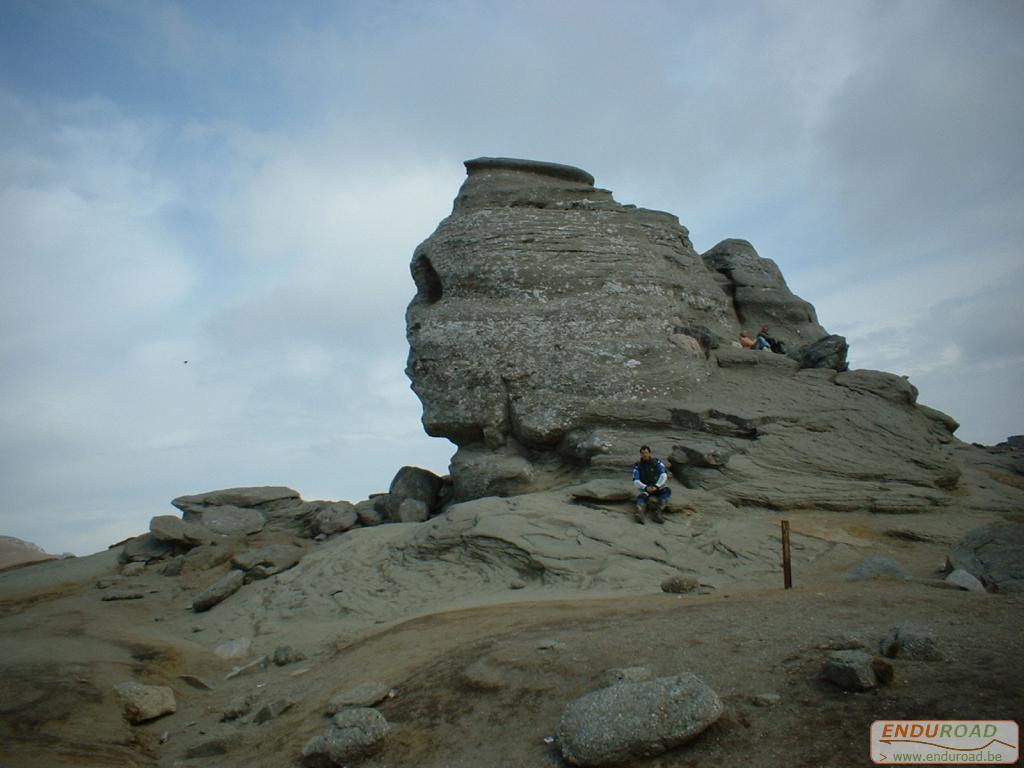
(555, 330)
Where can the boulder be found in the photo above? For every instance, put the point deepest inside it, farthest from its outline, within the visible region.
(334, 517)
(354, 733)
(144, 549)
(829, 352)
(266, 561)
(994, 554)
(219, 591)
(417, 484)
(630, 721)
(142, 703)
(964, 580)
(678, 585)
(371, 512)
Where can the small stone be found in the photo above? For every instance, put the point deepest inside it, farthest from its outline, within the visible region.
(766, 699)
(964, 580)
(850, 670)
(231, 649)
(113, 596)
(145, 702)
(679, 584)
(517, 584)
(550, 645)
(272, 710)
(133, 569)
(285, 654)
(260, 665)
(196, 682)
(211, 747)
(240, 706)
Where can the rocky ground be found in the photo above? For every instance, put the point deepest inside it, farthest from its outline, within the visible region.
(476, 665)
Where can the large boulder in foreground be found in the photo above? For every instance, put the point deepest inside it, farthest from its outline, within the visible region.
(634, 720)
(555, 330)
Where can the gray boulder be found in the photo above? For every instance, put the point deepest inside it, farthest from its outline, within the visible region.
(142, 703)
(354, 733)
(219, 591)
(856, 670)
(829, 352)
(144, 549)
(629, 721)
(334, 517)
(371, 511)
(266, 561)
(417, 484)
(964, 580)
(994, 554)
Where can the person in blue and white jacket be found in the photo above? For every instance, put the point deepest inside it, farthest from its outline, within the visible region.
(650, 477)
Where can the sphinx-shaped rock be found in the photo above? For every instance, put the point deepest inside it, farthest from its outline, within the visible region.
(555, 330)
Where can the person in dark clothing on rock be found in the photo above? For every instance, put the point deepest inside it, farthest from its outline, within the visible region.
(650, 477)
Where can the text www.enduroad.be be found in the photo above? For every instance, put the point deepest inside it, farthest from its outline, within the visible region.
(949, 757)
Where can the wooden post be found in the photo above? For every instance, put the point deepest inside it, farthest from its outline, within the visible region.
(787, 569)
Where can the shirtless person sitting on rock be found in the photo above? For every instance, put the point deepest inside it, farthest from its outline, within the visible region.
(650, 477)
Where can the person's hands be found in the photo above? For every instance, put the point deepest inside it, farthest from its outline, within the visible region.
(652, 489)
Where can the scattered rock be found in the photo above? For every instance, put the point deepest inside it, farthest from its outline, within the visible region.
(142, 703)
(173, 567)
(354, 733)
(829, 352)
(112, 596)
(362, 695)
(285, 654)
(207, 556)
(962, 579)
(766, 699)
(633, 720)
(517, 584)
(220, 590)
(240, 706)
(909, 642)
(846, 642)
(272, 710)
(550, 645)
(875, 566)
(679, 584)
(133, 569)
(852, 670)
(259, 665)
(196, 682)
(174, 530)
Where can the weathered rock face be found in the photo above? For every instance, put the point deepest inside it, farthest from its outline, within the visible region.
(555, 330)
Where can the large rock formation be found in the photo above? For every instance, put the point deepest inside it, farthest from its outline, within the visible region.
(554, 330)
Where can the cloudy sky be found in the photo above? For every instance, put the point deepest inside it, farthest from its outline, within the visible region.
(241, 186)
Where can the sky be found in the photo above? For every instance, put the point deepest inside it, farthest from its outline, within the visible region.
(241, 186)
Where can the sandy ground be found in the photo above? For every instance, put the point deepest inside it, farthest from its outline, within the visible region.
(485, 686)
